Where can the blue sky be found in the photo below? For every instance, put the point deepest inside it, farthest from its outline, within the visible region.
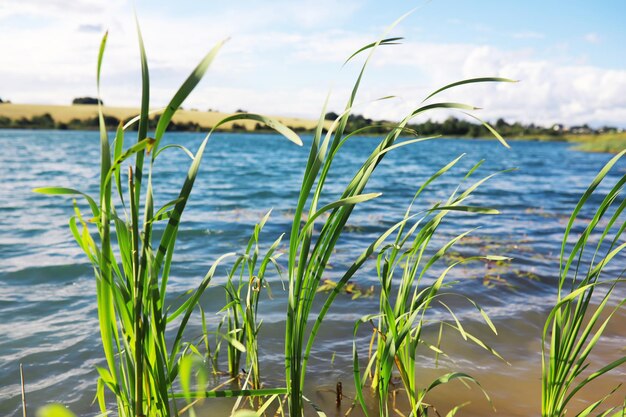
(283, 56)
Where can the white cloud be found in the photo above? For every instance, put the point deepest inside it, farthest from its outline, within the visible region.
(265, 68)
(528, 35)
(91, 28)
(592, 37)
(51, 8)
(548, 92)
(313, 13)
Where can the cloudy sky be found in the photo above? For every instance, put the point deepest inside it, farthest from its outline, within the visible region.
(284, 56)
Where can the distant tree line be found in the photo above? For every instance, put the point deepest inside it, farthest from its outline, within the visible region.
(36, 122)
(463, 128)
(87, 100)
(46, 121)
(449, 127)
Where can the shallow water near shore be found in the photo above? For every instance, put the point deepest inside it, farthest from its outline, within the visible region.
(47, 292)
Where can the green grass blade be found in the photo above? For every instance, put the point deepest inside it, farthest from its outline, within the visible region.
(70, 191)
(142, 131)
(348, 201)
(490, 128)
(268, 121)
(470, 81)
(388, 41)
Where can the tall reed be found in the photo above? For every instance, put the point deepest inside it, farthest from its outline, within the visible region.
(131, 265)
(402, 267)
(308, 254)
(246, 280)
(586, 300)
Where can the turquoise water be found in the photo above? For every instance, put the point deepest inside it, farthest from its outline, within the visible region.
(47, 293)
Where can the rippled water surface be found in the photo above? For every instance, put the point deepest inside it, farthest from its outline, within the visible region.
(47, 292)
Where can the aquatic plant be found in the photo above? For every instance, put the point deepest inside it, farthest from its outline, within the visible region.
(132, 264)
(309, 253)
(586, 301)
(246, 280)
(402, 268)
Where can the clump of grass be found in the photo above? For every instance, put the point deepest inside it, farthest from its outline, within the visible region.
(402, 268)
(131, 265)
(583, 307)
(245, 283)
(604, 142)
(309, 254)
(246, 280)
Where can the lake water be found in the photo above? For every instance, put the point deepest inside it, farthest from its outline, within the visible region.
(47, 292)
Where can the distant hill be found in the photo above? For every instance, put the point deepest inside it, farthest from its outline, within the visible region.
(85, 116)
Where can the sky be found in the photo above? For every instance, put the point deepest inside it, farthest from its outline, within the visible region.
(283, 57)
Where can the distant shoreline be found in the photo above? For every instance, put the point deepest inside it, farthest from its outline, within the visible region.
(85, 117)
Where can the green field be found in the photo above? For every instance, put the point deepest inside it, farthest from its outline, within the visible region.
(596, 142)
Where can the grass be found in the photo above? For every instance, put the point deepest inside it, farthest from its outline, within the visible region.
(131, 290)
(246, 281)
(142, 366)
(600, 142)
(149, 374)
(308, 254)
(585, 302)
(402, 267)
(605, 142)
